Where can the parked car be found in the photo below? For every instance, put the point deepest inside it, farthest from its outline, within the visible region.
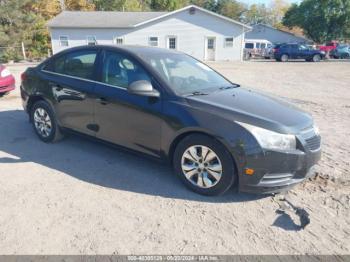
(7, 81)
(268, 52)
(173, 107)
(342, 51)
(328, 47)
(297, 51)
(255, 47)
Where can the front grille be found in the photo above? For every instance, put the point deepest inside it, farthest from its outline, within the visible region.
(313, 143)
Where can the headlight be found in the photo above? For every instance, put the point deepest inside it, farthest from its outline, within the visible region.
(271, 140)
(5, 72)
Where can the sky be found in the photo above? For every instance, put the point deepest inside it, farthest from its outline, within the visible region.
(264, 1)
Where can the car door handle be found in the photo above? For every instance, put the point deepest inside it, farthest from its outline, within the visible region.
(102, 101)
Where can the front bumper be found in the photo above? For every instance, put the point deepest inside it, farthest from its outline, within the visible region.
(277, 171)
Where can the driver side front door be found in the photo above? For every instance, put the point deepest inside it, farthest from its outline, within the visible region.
(122, 118)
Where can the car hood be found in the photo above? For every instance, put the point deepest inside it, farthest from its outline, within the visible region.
(243, 105)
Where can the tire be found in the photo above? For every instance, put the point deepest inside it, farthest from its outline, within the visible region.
(316, 58)
(284, 58)
(202, 177)
(42, 116)
(3, 94)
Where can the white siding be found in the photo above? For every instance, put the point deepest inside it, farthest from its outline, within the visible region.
(190, 30)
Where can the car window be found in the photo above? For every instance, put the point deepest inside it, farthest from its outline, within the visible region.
(120, 70)
(249, 45)
(185, 74)
(302, 47)
(79, 64)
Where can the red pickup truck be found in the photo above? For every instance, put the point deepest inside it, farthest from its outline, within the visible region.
(329, 46)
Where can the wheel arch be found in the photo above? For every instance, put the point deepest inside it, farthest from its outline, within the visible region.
(35, 98)
(182, 135)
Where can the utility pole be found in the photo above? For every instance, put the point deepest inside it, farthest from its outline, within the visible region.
(62, 4)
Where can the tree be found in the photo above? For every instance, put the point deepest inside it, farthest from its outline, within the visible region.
(121, 5)
(210, 5)
(79, 5)
(46, 8)
(322, 21)
(167, 5)
(231, 8)
(256, 14)
(278, 8)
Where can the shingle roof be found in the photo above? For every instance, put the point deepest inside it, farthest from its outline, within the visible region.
(100, 19)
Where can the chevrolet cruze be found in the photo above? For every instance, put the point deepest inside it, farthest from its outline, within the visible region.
(171, 106)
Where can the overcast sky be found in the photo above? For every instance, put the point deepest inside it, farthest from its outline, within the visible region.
(264, 1)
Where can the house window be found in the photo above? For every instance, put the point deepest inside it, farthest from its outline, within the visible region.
(91, 40)
(64, 41)
(153, 41)
(172, 42)
(118, 40)
(229, 42)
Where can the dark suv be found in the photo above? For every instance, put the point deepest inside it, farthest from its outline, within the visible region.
(284, 52)
(171, 106)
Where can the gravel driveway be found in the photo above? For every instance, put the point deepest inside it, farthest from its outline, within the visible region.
(82, 197)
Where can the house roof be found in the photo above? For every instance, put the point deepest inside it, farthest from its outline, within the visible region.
(102, 19)
(268, 26)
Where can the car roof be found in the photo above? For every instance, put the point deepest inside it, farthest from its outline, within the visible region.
(133, 49)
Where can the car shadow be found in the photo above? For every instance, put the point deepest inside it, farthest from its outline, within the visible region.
(96, 163)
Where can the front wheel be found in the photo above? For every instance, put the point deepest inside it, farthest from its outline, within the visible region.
(204, 165)
(44, 122)
(316, 58)
(284, 58)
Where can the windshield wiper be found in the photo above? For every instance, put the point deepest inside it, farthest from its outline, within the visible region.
(197, 93)
(229, 87)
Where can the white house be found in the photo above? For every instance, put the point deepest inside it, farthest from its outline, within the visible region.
(193, 30)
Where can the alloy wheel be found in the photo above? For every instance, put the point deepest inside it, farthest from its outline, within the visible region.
(201, 166)
(42, 122)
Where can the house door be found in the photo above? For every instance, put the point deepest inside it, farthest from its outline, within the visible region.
(210, 46)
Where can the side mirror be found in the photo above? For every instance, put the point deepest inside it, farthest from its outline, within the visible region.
(143, 88)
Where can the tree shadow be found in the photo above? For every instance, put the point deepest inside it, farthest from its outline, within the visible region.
(96, 163)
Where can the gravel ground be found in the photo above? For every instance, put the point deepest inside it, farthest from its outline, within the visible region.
(82, 197)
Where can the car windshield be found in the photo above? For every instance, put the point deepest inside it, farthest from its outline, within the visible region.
(184, 74)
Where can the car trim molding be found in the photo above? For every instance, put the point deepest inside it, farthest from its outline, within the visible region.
(84, 79)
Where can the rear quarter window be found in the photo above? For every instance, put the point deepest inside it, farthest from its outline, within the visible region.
(78, 64)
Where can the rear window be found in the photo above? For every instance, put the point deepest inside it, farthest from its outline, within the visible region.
(79, 64)
(249, 45)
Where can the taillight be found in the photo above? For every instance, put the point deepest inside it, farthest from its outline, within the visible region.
(23, 76)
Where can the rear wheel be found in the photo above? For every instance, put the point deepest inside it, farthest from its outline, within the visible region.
(44, 122)
(3, 94)
(284, 58)
(316, 58)
(204, 165)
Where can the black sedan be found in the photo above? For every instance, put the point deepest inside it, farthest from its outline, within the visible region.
(171, 106)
